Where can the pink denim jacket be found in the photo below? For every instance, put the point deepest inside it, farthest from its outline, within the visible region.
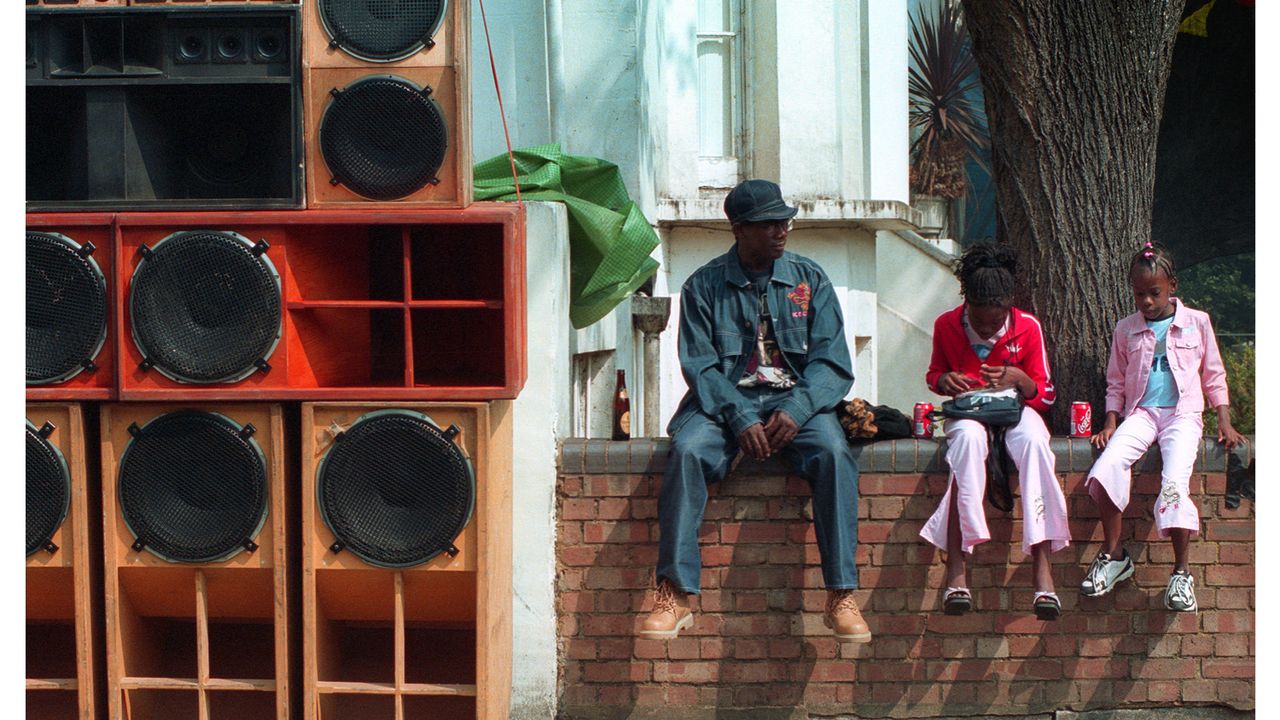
(1193, 356)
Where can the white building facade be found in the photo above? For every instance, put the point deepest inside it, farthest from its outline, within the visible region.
(688, 97)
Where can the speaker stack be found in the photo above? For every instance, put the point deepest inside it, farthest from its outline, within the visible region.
(255, 268)
(63, 540)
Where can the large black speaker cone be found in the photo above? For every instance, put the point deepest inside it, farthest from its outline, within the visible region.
(395, 490)
(66, 308)
(381, 30)
(206, 307)
(48, 489)
(383, 137)
(193, 487)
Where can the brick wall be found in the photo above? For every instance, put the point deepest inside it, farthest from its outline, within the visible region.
(759, 642)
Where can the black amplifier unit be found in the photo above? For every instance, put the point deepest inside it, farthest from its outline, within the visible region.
(163, 107)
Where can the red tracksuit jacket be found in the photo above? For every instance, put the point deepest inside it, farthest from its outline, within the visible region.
(1021, 347)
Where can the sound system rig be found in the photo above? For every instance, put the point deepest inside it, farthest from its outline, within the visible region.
(272, 346)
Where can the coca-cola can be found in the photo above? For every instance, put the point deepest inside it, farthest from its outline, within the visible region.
(922, 424)
(1081, 419)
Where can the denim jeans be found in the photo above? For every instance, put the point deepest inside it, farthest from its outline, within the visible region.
(701, 452)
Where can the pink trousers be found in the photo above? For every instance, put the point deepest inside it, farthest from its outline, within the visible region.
(1044, 507)
(1179, 438)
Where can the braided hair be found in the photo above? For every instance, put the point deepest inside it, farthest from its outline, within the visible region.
(987, 273)
(1154, 257)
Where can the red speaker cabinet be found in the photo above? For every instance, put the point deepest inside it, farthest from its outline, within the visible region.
(196, 575)
(387, 103)
(333, 304)
(62, 580)
(70, 339)
(390, 631)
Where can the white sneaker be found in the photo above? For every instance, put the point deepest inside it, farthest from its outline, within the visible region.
(1180, 596)
(1104, 574)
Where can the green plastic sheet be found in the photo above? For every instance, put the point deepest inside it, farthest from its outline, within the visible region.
(609, 238)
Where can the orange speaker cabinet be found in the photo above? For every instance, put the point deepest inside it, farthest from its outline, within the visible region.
(448, 46)
(449, 186)
(351, 168)
(198, 640)
(63, 596)
(376, 305)
(97, 382)
(430, 640)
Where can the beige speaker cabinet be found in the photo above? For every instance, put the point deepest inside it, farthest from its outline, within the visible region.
(62, 583)
(428, 641)
(441, 64)
(205, 641)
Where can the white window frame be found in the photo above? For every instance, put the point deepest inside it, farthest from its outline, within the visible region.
(716, 172)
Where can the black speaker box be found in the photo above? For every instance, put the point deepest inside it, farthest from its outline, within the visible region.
(163, 107)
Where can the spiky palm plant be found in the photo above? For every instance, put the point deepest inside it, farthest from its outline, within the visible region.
(941, 79)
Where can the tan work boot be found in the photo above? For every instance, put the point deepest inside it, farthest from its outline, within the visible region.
(844, 618)
(670, 613)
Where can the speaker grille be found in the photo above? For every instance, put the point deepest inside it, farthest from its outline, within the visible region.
(193, 486)
(66, 308)
(381, 30)
(48, 490)
(383, 137)
(394, 489)
(205, 307)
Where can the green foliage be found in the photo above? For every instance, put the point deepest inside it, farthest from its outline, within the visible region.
(941, 79)
(1224, 288)
(1241, 360)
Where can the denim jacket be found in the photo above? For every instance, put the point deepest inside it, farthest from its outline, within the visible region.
(719, 313)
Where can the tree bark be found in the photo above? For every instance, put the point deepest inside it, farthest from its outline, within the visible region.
(1074, 93)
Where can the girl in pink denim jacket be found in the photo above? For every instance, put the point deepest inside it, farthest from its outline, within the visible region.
(1164, 361)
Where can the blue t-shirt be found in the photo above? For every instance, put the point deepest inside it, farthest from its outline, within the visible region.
(1162, 391)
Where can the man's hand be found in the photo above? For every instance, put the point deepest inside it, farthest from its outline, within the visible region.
(780, 430)
(754, 442)
(954, 383)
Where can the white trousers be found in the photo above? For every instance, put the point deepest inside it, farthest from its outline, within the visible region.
(1044, 507)
(1179, 438)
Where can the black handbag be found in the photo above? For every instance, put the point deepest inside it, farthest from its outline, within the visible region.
(998, 410)
(991, 407)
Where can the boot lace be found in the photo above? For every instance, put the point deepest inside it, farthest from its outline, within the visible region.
(664, 598)
(842, 600)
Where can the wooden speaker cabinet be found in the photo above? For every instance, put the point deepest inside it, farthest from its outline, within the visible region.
(390, 630)
(387, 96)
(69, 310)
(335, 304)
(62, 581)
(196, 576)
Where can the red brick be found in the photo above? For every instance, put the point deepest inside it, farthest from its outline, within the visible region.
(1230, 575)
(1163, 692)
(1166, 669)
(1231, 645)
(574, 601)
(834, 671)
(1227, 668)
(617, 485)
(617, 671)
(1227, 622)
(570, 486)
(1235, 553)
(1095, 669)
(575, 509)
(686, 672)
(753, 532)
(1237, 693)
(615, 532)
(887, 671)
(1218, 530)
(1198, 645)
(1232, 598)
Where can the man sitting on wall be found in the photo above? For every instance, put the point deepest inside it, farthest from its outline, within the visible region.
(763, 351)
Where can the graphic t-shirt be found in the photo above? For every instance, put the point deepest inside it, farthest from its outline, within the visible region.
(766, 365)
(1162, 390)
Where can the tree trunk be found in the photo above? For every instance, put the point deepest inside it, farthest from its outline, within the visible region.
(1074, 92)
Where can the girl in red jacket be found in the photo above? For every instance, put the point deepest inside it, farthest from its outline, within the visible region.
(986, 342)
